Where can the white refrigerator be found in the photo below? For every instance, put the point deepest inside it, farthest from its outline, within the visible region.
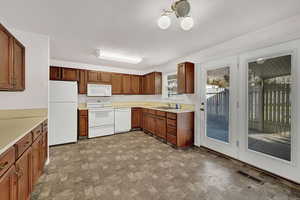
(63, 97)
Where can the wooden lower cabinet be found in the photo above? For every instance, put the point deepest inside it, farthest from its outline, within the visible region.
(149, 123)
(24, 175)
(136, 118)
(8, 185)
(176, 128)
(44, 148)
(161, 127)
(20, 168)
(37, 158)
(83, 121)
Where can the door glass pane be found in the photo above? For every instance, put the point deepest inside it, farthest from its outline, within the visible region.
(217, 104)
(269, 106)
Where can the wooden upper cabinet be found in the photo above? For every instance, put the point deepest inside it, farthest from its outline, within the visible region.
(185, 78)
(12, 62)
(93, 76)
(69, 74)
(55, 73)
(105, 77)
(116, 82)
(18, 66)
(8, 185)
(152, 83)
(24, 175)
(82, 85)
(158, 82)
(135, 84)
(6, 70)
(126, 82)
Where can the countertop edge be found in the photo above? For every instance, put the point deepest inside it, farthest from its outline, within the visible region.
(21, 136)
(171, 111)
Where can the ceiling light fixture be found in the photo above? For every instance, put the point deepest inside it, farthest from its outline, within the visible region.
(164, 22)
(105, 55)
(181, 9)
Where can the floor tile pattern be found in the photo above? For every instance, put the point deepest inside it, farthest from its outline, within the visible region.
(136, 166)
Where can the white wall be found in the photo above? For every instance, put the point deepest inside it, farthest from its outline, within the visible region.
(36, 74)
(280, 32)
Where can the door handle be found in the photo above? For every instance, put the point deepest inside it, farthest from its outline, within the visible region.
(202, 107)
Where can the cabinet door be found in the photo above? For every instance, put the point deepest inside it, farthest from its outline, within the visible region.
(69, 74)
(105, 77)
(93, 76)
(116, 81)
(161, 127)
(181, 79)
(6, 70)
(82, 86)
(44, 148)
(126, 82)
(136, 117)
(18, 66)
(158, 83)
(8, 185)
(151, 124)
(144, 87)
(37, 159)
(83, 126)
(55, 73)
(135, 84)
(24, 171)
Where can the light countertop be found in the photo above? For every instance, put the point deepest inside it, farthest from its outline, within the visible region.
(14, 128)
(183, 110)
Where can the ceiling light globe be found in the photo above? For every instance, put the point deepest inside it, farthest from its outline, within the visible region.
(187, 23)
(164, 22)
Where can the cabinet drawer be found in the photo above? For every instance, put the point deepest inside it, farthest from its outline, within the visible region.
(6, 160)
(171, 115)
(160, 113)
(37, 132)
(23, 144)
(171, 122)
(172, 139)
(150, 111)
(83, 112)
(172, 130)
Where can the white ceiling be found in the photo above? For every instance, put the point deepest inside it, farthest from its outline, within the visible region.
(78, 27)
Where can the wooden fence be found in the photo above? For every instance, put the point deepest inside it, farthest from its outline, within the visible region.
(218, 105)
(270, 108)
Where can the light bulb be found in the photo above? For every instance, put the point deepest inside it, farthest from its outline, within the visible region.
(187, 23)
(164, 22)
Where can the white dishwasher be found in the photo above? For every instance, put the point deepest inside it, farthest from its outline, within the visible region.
(122, 120)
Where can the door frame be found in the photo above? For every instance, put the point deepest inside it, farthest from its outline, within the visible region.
(286, 169)
(231, 148)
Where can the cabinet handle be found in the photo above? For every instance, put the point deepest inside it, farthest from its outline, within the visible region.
(3, 165)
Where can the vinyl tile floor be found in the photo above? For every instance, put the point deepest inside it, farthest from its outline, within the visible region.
(136, 166)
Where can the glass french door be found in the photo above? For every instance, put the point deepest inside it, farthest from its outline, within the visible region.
(269, 92)
(218, 106)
